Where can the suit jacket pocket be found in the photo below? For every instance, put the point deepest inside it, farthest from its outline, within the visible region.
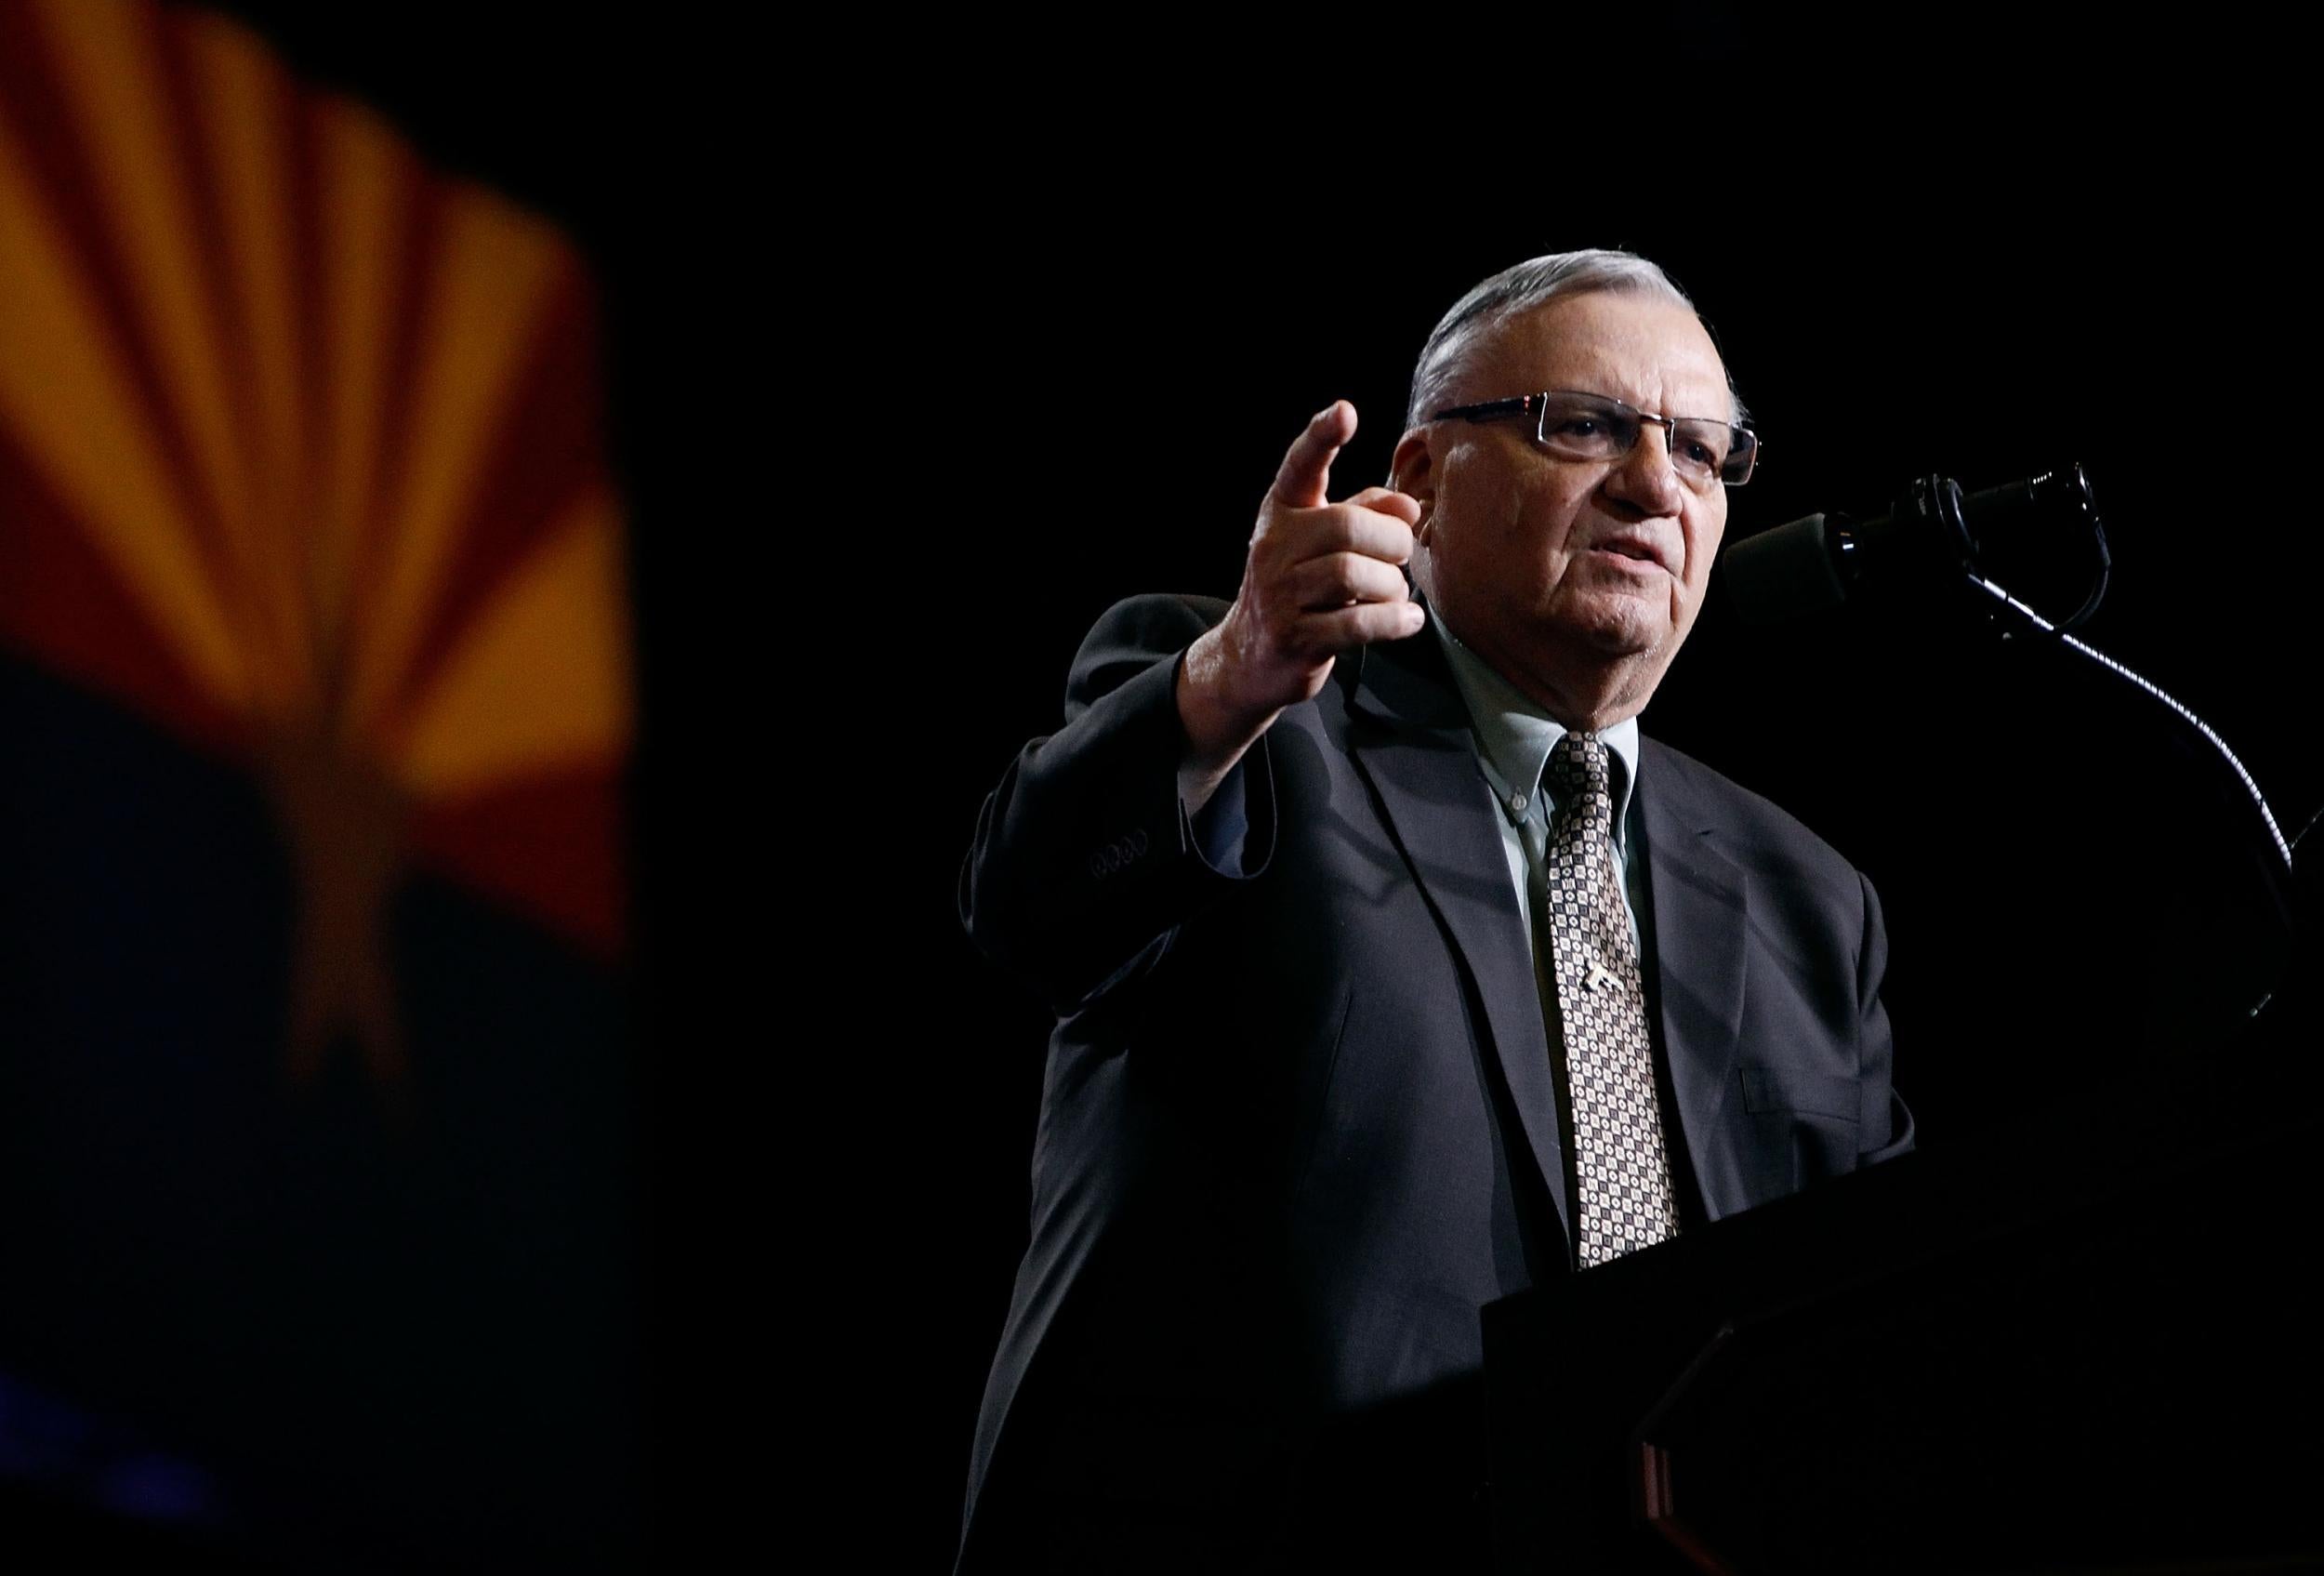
(1804, 1127)
(1800, 1089)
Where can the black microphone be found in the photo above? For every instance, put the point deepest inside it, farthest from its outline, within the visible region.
(1933, 530)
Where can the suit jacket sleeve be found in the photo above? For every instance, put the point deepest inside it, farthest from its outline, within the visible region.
(1084, 862)
(1884, 1122)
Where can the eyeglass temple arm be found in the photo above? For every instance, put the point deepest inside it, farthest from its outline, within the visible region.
(1490, 410)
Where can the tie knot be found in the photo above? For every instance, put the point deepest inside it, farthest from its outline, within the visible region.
(1577, 768)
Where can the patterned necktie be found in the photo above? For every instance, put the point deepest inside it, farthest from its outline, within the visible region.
(1622, 1197)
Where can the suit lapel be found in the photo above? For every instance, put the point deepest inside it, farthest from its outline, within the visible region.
(1411, 739)
(1699, 904)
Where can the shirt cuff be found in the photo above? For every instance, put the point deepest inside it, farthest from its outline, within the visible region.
(1219, 832)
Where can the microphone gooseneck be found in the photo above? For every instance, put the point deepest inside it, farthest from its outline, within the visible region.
(1936, 533)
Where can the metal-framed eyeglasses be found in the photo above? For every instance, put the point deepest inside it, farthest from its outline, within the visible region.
(1583, 426)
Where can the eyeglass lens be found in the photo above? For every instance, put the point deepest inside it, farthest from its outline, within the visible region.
(1592, 427)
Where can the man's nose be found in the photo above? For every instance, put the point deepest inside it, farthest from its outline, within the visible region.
(1644, 478)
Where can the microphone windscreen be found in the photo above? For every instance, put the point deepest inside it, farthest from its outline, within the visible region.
(1785, 573)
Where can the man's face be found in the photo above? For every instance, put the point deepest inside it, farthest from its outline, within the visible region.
(1560, 571)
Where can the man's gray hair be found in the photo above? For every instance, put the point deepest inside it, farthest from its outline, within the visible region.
(1534, 283)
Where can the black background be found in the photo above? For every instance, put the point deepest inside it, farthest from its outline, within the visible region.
(929, 344)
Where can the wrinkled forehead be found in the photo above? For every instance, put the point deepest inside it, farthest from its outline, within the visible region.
(1644, 350)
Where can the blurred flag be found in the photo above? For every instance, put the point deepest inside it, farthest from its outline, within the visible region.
(316, 1158)
(300, 459)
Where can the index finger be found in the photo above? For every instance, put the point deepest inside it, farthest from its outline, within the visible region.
(1306, 475)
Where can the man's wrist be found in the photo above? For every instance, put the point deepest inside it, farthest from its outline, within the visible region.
(1217, 732)
(1216, 728)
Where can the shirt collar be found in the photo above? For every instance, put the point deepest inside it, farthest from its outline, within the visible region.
(1514, 736)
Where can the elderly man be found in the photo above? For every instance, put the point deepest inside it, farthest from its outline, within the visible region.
(1394, 971)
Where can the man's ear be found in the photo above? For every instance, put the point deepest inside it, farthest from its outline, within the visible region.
(1413, 473)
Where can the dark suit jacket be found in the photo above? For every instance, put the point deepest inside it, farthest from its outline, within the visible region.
(1298, 1122)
